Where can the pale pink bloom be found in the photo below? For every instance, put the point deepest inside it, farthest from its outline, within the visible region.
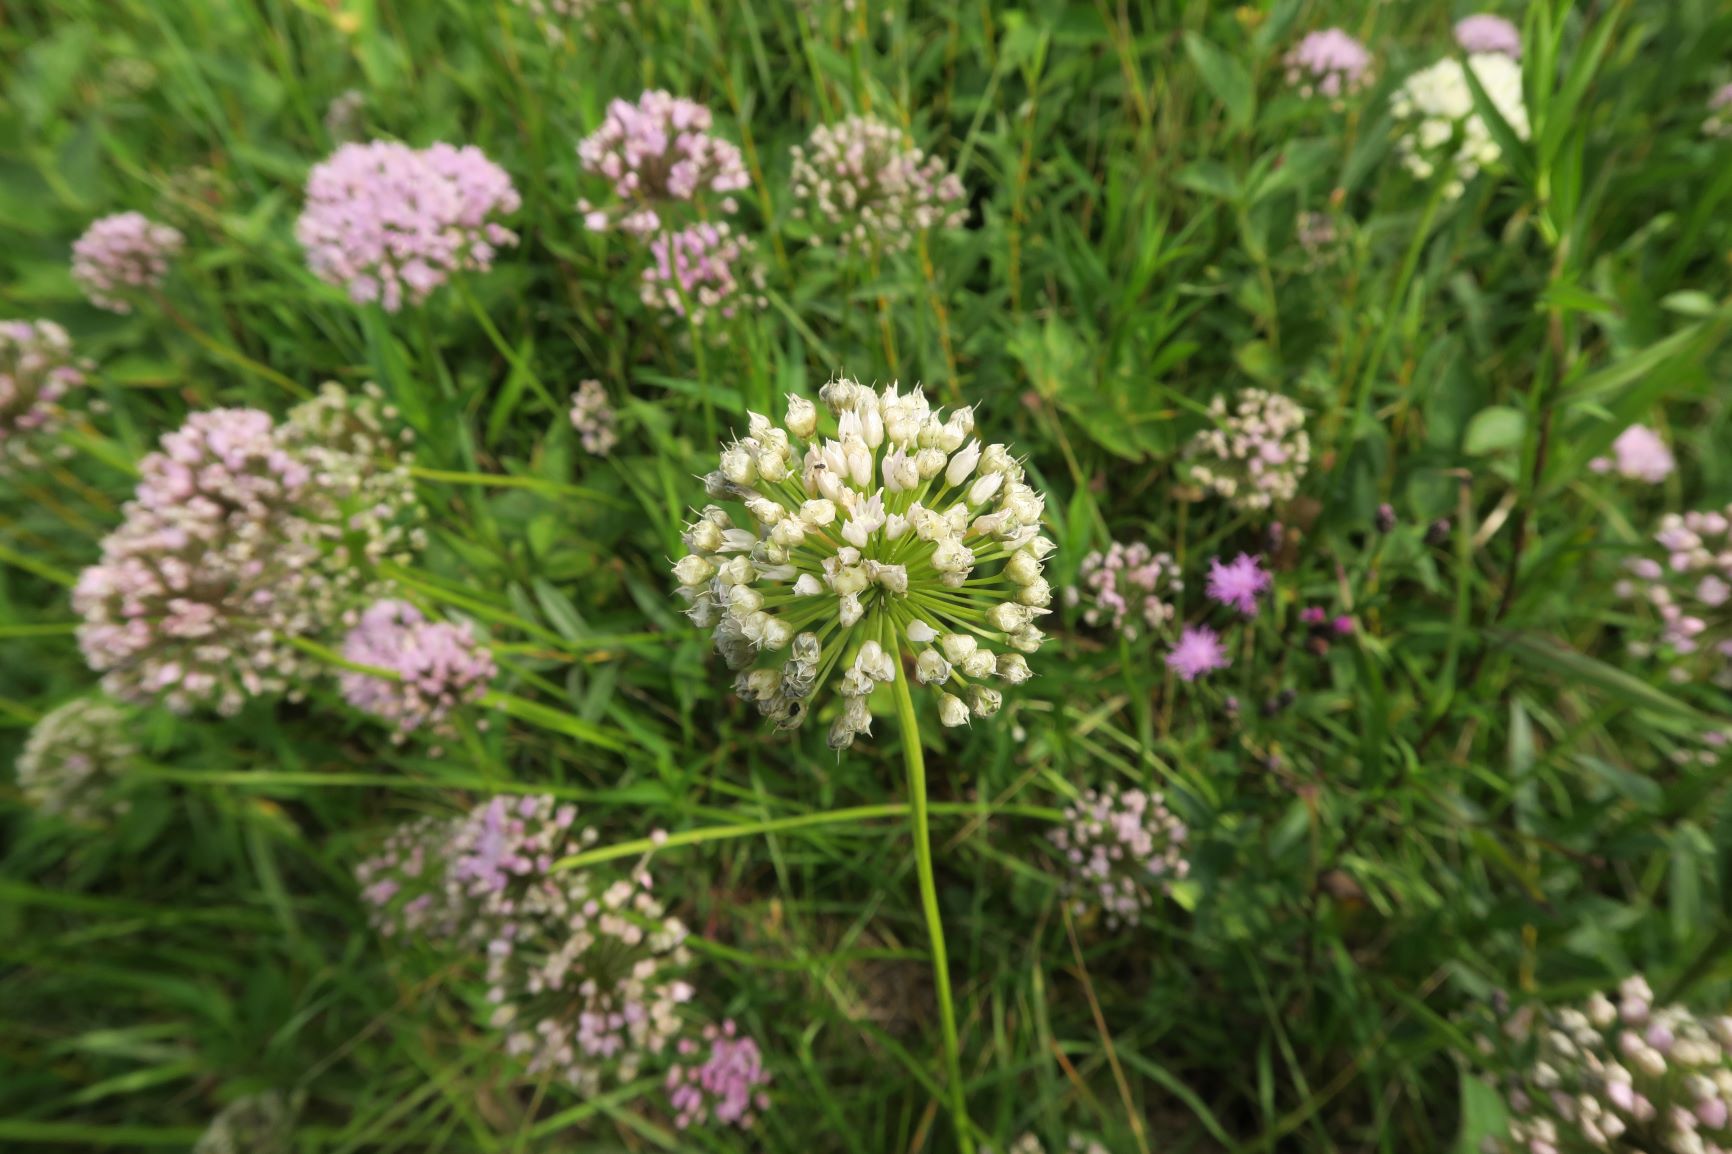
(1488, 33)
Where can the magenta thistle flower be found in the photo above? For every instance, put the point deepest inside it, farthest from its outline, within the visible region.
(442, 667)
(1330, 63)
(1121, 846)
(390, 223)
(1638, 455)
(703, 271)
(1488, 33)
(657, 153)
(37, 369)
(1238, 584)
(1198, 652)
(118, 256)
(727, 1087)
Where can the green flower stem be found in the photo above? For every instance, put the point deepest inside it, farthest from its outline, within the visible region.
(916, 762)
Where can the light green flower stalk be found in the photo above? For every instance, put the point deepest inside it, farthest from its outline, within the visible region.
(898, 539)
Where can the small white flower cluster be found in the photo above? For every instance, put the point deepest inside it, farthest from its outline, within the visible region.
(1122, 845)
(1621, 1076)
(593, 418)
(899, 537)
(596, 989)
(1438, 104)
(1256, 454)
(75, 758)
(864, 182)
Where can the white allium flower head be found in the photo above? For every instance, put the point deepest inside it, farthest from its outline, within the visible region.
(867, 555)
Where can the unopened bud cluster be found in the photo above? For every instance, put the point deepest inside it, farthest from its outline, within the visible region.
(74, 761)
(899, 539)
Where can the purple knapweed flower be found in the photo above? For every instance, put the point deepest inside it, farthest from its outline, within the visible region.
(1127, 587)
(656, 153)
(726, 1087)
(1488, 33)
(1122, 846)
(442, 667)
(863, 185)
(1330, 63)
(593, 418)
(1254, 453)
(389, 223)
(1238, 583)
(37, 369)
(1638, 455)
(703, 271)
(1197, 652)
(121, 255)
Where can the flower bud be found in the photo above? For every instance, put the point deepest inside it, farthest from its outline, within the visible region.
(702, 537)
(1041, 548)
(802, 417)
(1008, 616)
(984, 701)
(788, 532)
(850, 610)
(1013, 667)
(1036, 593)
(1022, 567)
(980, 663)
(777, 634)
(772, 465)
(957, 646)
(737, 570)
(765, 511)
(930, 668)
(807, 648)
(894, 578)
(962, 465)
(952, 556)
(762, 683)
(807, 585)
(875, 663)
(921, 633)
(856, 682)
(849, 581)
(951, 711)
(983, 488)
(693, 570)
(738, 466)
(817, 513)
(930, 462)
(743, 599)
(1027, 639)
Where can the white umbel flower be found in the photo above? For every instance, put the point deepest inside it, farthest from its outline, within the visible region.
(1437, 104)
(898, 543)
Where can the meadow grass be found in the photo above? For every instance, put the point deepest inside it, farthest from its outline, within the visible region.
(1471, 789)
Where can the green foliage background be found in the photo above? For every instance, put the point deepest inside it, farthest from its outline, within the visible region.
(1476, 792)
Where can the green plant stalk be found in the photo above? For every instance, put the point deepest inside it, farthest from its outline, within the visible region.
(915, 760)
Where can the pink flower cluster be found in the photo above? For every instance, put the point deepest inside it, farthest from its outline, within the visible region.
(1330, 63)
(1128, 587)
(1688, 589)
(593, 418)
(1239, 583)
(75, 759)
(1255, 453)
(1486, 33)
(658, 152)
(390, 223)
(442, 667)
(37, 369)
(703, 271)
(726, 1087)
(1121, 845)
(120, 255)
(1638, 455)
(241, 535)
(1618, 1075)
(863, 184)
